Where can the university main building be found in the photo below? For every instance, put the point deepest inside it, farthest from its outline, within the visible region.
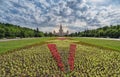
(61, 32)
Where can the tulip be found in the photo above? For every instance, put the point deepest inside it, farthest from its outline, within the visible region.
(71, 56)
(56, 56)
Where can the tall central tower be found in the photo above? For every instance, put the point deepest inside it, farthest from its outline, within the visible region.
(60, 31)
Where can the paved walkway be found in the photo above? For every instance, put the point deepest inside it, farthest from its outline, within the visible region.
(8, 39)
(1, 40)
(108, 38)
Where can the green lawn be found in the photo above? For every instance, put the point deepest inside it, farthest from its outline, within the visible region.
(111, 44)
(14, 44)
(37, 61)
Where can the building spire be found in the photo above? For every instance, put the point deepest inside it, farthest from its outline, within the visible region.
(60, 28)
(61, 32)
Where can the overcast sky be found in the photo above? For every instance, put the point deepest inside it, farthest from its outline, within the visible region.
(75, 15)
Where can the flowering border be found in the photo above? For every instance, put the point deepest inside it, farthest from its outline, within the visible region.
(56, 56)
(71, 56)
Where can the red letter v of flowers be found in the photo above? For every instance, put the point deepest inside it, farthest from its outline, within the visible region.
(57, 57)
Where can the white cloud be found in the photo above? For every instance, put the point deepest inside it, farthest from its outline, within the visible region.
(97, 1)
(76, 14)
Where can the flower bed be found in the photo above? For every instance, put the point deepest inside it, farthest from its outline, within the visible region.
(56, 56)
(71, 56)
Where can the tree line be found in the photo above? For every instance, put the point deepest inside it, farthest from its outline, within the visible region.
(12, 31)
(112, 31)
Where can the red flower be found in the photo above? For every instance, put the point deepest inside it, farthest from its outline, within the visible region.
(71, 56)
(56, 56)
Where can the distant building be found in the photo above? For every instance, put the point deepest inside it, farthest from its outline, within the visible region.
(61, 32)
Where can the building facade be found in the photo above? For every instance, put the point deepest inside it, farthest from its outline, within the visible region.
(61, 32)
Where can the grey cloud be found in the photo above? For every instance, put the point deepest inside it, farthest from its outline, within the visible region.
(48, 13)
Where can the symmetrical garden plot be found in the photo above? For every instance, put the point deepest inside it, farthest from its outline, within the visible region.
(58, 59)
(38, 62)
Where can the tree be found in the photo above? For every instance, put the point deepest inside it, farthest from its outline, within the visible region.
(37, 32)
(2, 33)
(111, 31)
(12, 31)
